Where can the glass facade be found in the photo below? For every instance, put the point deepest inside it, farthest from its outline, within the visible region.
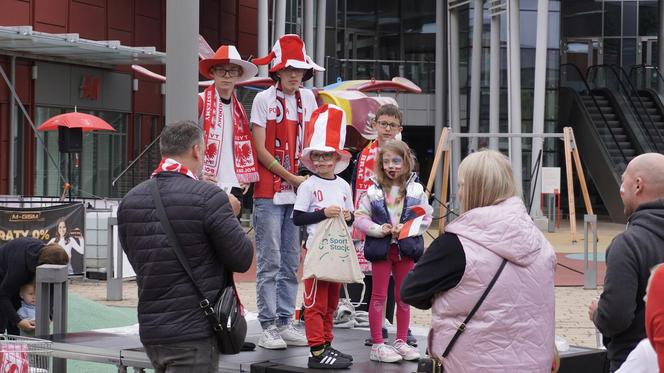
(92, 170)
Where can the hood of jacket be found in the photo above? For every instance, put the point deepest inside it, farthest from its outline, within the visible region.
(512, 236)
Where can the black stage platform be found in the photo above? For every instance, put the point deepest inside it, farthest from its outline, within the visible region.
(125, 350)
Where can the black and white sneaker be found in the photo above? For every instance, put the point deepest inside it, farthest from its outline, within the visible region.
(338, 353)
(328, 360)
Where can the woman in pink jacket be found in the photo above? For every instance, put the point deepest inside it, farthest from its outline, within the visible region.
(513, 328)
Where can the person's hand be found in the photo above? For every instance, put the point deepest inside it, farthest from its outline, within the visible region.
(235, 204)
(27, 325)
(396, 230)
(209, 178)
(347, 215)
(296, 180)
(592, 308)
(386, 228)
(245, 187)
(332, 211)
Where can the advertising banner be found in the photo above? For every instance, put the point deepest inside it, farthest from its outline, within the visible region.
(62, 224)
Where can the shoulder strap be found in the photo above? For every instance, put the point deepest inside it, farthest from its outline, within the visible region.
(175, 243)
(462, 327)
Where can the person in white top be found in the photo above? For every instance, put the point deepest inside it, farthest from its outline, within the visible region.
(71, 244)
(230, 159)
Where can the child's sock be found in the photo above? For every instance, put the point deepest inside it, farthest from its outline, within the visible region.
(317, 350)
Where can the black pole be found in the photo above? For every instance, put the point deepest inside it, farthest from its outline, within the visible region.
(69, 175)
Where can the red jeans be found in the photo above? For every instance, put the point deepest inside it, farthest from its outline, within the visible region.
(319, 318)
(399, 267)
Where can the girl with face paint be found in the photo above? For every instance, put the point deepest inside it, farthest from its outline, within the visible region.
(394, 200)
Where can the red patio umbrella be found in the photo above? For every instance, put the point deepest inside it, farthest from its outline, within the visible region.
(84, 121)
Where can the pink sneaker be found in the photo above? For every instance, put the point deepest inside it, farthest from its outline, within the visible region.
(384, 353)
(406, 351)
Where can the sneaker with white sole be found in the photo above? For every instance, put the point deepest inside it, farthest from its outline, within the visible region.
(384, 353)
(328, 360)
(293, 336)
(407, 352)
(271, 340)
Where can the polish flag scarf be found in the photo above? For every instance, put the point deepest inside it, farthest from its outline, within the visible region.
(364, 172)
(411, 228)
(171, 165)
(244, 154)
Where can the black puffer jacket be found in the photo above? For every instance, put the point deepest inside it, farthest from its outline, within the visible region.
(620, 314)
(211, 239)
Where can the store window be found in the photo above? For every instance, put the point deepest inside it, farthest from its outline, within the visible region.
(92, 170)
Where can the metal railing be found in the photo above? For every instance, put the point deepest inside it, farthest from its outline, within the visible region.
(585, 88)
(647, 77)
(615, 78)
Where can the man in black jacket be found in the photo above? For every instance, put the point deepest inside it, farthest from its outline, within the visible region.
(172, 327)
(19, 259)
(619, 313)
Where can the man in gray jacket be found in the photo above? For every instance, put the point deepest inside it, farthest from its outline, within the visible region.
(172, 327)
(619, 313)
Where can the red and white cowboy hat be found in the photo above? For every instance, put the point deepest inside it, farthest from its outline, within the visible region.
(227, 54)
(289, 51)
(326, 132)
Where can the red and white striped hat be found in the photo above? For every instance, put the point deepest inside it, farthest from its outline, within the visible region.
(227, 54)
(326, 132)
(289, 51)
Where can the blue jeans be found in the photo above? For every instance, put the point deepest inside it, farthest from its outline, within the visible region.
(277, 259)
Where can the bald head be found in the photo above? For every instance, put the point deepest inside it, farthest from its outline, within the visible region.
(643, 181)
(650, 168)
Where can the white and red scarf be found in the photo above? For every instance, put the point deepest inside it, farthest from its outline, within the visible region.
(364, 172)
(287, 146)
(244, 154)
(171, 165)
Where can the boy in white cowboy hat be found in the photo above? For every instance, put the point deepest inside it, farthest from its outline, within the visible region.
(323, 195)
(230, 159)
(278, 116)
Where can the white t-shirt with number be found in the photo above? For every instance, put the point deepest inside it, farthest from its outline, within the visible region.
(317, 193)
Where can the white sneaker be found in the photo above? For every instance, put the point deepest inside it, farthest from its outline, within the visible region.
(293, 336)
(406, 351)
(271, 339)
(384, 353)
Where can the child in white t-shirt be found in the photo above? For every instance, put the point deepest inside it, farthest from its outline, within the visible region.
(323, 195)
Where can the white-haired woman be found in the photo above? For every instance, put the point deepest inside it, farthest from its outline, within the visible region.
(513, 328)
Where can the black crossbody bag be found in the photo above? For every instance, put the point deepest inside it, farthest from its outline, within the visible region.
(429, 365)
(225, 317)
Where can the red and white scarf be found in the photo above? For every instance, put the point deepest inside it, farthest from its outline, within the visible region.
(171, 165)
(364, 172)
(288, 140)
(244, 154)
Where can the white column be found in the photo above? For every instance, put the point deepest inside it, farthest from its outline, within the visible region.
(454, 100)
(263, 44)
(319, 77)
(309, 31)
(514, 90)
(494, 82)
(279, 20)
(440, 84)
(539, 98)
(660, 38)
(181, 60)
(475, 74)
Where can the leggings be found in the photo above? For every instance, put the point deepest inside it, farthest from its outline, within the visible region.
(399, 268)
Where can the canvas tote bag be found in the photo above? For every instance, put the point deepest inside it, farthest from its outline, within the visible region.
(332, 255)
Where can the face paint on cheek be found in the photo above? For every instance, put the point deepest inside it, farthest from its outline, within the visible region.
(622, 189)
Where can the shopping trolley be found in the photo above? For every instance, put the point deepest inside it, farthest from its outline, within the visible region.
(24, 354)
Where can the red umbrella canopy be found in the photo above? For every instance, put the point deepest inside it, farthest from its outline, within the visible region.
(84, 121)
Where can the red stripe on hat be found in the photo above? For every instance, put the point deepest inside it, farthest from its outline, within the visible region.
(310, 127)
(291, 48)
(223, 52)
(334, 123)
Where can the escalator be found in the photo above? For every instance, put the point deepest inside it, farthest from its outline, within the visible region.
(606, 136)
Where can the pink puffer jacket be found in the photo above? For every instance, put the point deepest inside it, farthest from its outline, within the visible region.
(513, 330)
